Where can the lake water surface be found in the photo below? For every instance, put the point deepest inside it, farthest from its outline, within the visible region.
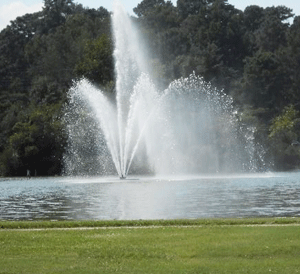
(97, 198)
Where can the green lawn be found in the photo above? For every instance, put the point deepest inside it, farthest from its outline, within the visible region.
(201, 246)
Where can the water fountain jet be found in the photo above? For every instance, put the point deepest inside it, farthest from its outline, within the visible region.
(188, 128)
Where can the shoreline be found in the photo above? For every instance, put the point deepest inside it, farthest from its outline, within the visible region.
(105, 224)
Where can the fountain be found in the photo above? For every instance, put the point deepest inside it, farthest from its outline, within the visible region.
(188, 128)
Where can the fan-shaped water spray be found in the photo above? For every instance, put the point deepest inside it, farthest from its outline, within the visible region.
(190, 127)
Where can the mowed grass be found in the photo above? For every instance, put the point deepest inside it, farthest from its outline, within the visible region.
(199, 246)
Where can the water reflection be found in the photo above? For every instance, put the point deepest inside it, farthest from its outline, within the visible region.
(150, 198)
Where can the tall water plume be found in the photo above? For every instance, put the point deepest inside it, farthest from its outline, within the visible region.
(188, 128)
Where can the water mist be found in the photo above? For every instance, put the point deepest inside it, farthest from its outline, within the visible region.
(188, 128)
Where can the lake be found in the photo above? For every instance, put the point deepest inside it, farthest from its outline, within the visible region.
(98, 198)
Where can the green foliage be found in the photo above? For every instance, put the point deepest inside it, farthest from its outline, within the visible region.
(264, 81)
(147, 5)
(284, 132)
(97, 63)
(284, 122)
(190, 7)
(272, 32)
(55, 12)
(36, 143)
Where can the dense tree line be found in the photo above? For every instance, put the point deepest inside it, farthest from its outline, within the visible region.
(254, 55)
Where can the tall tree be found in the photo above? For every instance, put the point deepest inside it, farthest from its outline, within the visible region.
(147, 5)
(191, 7)
(55, 13)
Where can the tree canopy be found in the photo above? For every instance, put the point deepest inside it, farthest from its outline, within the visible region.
(254, 55)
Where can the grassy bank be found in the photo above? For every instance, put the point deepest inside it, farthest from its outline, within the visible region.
(175, 246)
(138, 223)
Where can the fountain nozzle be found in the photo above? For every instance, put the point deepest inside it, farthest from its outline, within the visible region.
(122, 177)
